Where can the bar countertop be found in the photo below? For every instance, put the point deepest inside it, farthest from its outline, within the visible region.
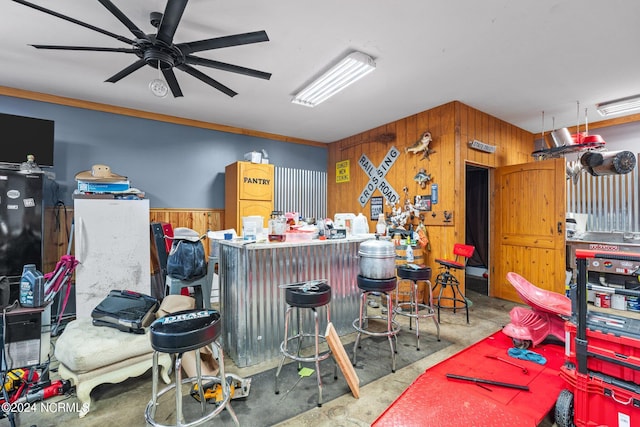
(298, 241)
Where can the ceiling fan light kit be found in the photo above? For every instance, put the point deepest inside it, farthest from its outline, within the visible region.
(350, 69)
(158, 50)
(619, 106)
(159, 88)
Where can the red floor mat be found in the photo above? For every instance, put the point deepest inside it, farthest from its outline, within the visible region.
(434, 400)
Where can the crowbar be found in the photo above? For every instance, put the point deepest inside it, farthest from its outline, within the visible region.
(490, 382)
(524, 370)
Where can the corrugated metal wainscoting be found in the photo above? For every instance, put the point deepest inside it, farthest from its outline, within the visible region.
(253, 305)
(611, 201)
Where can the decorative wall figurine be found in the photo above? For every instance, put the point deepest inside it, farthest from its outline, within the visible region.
(422, 146)
(422, 178)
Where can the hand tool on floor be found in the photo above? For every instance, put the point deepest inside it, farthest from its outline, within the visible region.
(238, 386)
(54, 388)
(524, 370)
(490, 382)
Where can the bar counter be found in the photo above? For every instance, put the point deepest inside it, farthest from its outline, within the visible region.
(253, 306)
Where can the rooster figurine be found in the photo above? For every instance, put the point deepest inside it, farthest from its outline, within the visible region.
(422, 145)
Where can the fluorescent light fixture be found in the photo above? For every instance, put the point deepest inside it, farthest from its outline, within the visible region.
(350, 69)
(619, 106)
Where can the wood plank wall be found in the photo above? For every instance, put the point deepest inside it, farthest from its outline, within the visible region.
(452, 126)
(58, 226)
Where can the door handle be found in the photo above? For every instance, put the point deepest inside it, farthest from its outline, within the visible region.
(559, 227)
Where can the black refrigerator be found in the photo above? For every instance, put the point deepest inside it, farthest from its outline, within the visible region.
(21, 222)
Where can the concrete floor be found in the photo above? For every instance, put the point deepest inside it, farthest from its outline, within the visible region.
(124, 403)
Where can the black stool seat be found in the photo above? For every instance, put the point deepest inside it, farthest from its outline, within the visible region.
(451, 264)
(311, 294)
(422, 273)
(185, 330)
(376, 285)
(308, 295)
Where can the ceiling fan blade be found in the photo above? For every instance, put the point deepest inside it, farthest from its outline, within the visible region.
(124, 19)
(75, 21)
(170, 77)
(170, 20)
(194, 60)
(125, 72)
(226, 41)
(87, 48)
(208, 80)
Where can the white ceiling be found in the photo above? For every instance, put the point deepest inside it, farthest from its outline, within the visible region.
(511, 59)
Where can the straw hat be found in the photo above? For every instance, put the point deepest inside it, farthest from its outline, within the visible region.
(99, 173)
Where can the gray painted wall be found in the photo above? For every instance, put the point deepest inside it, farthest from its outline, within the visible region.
(176, 166)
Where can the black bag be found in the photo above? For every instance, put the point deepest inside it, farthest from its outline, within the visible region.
(186, 260)
(127, 311)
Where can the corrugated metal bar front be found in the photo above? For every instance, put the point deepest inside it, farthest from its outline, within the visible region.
(611, 201)
(299, 190)
(253, 306)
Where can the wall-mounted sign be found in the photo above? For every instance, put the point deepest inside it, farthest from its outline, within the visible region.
(376, 177)
(376, 207)
(481, 146)
(342, 171)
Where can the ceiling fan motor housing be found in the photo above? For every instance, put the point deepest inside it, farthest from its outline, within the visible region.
(157, 57)
(158, 50)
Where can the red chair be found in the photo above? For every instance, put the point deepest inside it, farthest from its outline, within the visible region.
(447, 279)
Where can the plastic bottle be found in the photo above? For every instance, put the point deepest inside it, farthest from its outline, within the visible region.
(31, 287)
(381, 226)
(360, 225)
(409, 252)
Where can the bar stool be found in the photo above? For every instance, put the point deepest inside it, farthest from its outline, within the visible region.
(312, 294)
(176, 334)
(415, 309)
(384, 287)
(201, 288)
(447, 279)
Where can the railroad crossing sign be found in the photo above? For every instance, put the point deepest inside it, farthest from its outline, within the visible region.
(377, 178)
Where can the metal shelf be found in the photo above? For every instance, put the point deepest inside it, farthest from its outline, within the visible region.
(554, 152)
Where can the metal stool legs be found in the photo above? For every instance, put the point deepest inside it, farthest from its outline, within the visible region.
(317, 356)
(445, 279)
(361, 325)
(150, 411)
(415, 309)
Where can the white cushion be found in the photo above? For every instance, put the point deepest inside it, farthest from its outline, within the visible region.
(83, 347)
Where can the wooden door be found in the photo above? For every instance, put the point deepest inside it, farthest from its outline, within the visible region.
(528, 207)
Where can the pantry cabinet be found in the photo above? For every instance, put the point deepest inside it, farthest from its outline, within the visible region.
(249, 190)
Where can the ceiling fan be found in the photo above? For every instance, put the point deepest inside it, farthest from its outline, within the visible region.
(158, 50)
